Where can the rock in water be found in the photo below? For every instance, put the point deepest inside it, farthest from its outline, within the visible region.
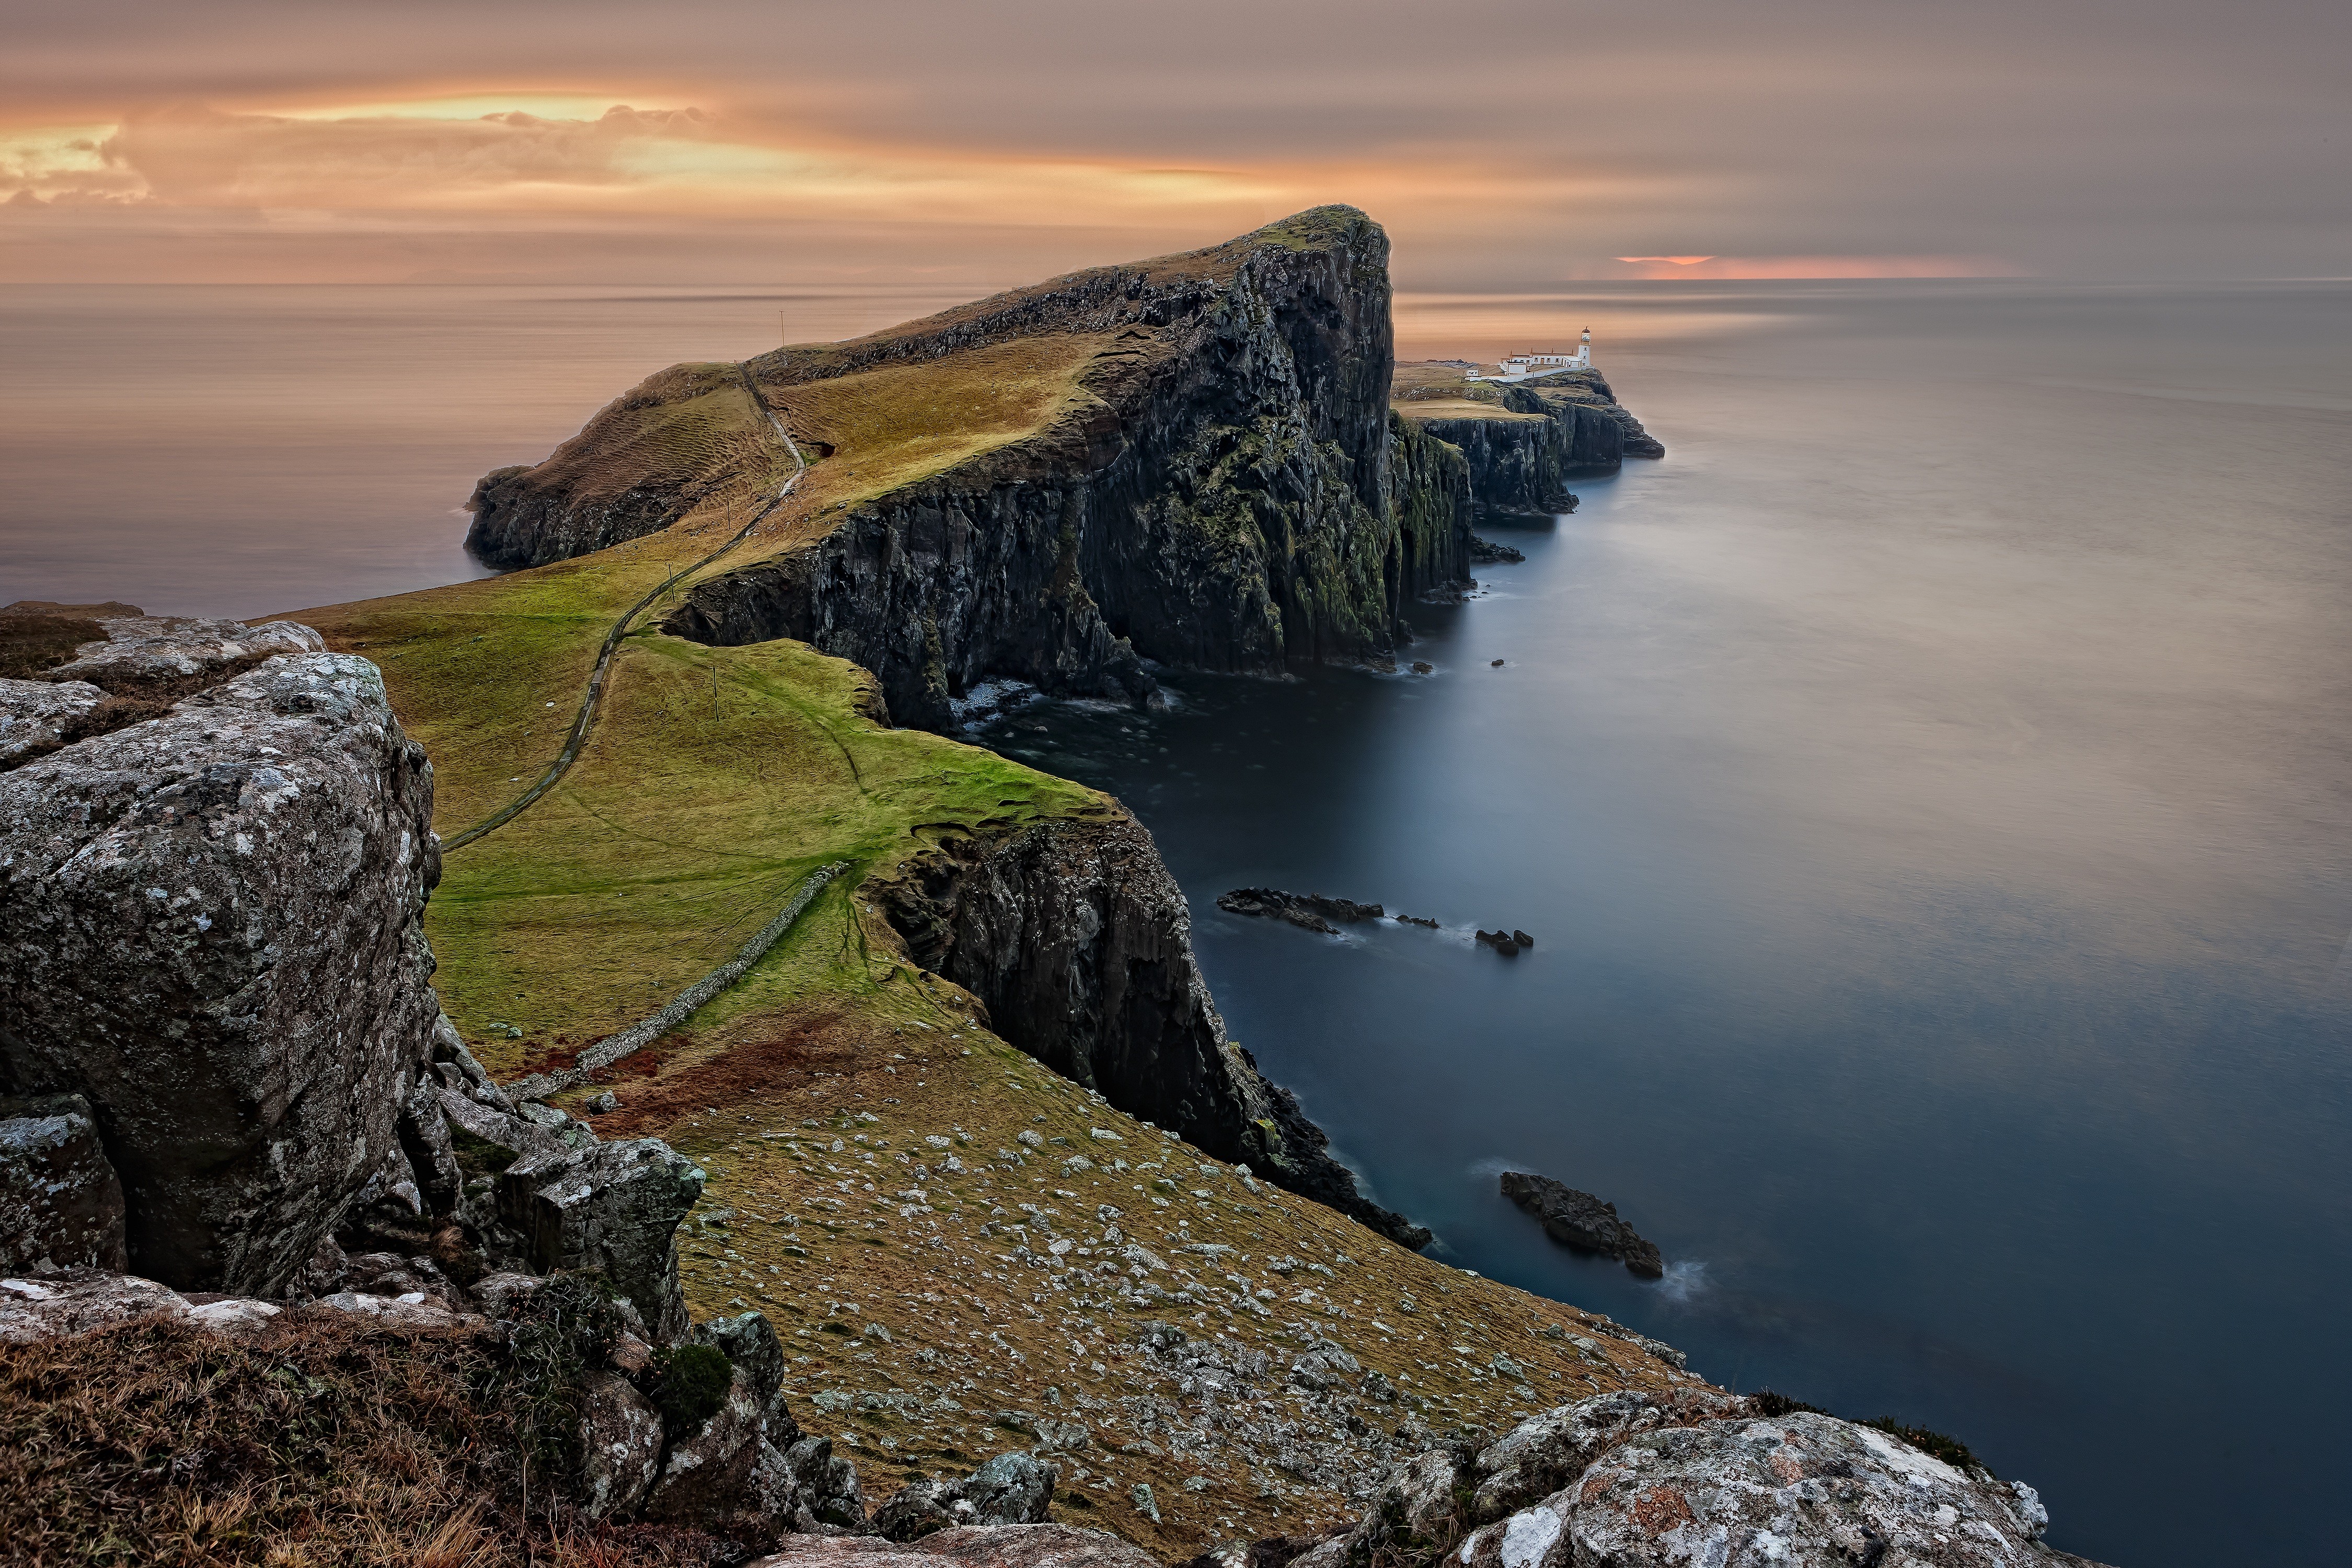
(1581, 1220)
(210, 928)
(1311, 910)
(60, 1203)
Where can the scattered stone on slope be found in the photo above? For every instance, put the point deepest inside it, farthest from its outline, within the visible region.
(1581, 1220)
(60, 1203)
(1010, 1488)
(209, 928)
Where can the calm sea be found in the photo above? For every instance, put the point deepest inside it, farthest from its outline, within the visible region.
(1927, 789)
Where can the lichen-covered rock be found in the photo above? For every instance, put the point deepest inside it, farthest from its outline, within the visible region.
(1000, 1546)
(1010, 1488)
(1078, 942)
(1800, 1491)
(209, 928)
(611, 1207)
(811, 1488)
(36, 716)
(1546, 1452)
(1632, 1479)
(60, 1203)
(170, 655)
(81, 1301)
(620, 1445)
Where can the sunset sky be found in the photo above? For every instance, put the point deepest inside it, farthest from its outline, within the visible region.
(1505, 144)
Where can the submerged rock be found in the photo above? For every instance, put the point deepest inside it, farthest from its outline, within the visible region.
(1581, 1220)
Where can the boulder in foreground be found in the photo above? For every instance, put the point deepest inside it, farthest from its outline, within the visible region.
(1637, 1481)
(210, 930)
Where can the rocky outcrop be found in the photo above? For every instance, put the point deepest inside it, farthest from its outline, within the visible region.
(1639, 1481)
(210, 930)
(60, 1202)
(1079, 943)
(1310, 911)
(1519, 462)
(638, 467)
(1582, 1221)
(1010, 1488)
(1219, 491)
(1600, 431)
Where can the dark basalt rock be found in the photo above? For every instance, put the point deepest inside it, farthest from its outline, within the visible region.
(1582, 1221)
(1232, 492)
(1312, 910)
(1077, 941)
(1485, 552)
(1507, 944)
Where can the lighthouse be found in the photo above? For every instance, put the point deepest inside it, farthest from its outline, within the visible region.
(1526, 366)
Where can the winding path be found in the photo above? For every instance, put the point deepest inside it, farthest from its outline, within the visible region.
(586, 718)
(645, 1032)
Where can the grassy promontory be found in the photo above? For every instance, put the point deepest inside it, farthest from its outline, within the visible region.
(881, 1163)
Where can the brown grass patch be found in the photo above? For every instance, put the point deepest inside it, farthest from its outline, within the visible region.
(318, 1440)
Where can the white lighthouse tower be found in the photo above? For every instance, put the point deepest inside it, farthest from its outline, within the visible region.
(1526, 366)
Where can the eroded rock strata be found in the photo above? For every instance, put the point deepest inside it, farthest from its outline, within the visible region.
(1223, 488)
(1078, 942)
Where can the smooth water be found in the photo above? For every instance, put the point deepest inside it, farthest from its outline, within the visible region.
(1928, 788)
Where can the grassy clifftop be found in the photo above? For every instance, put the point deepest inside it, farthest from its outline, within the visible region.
(926, 1214)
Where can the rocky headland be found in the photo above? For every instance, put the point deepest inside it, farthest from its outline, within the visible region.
(955, 1227)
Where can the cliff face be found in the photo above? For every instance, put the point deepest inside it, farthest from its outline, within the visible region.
(1213, 489)
(1079, 943)
(638, 467)
(1217, 496)
(1516, 462)
(1600, 431)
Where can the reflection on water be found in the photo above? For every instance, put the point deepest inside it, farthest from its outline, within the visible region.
(1927, 790)
(247, 450)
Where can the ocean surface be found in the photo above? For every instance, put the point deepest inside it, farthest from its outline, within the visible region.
(1929, 789)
